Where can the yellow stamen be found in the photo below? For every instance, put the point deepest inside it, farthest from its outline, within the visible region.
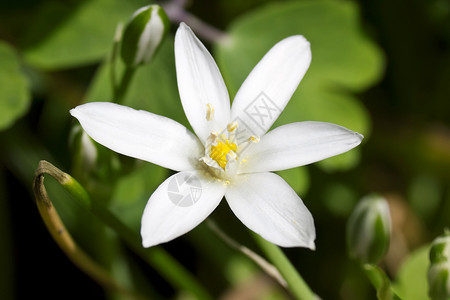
(219, 152)
(209, 112)
(232, 126)
(253, 139)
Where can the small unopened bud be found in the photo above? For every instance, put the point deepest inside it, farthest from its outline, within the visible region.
(369, 229)
(143, 35)
(85, 152)
(439, 270)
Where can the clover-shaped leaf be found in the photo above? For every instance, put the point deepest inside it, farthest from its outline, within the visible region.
(344, 61)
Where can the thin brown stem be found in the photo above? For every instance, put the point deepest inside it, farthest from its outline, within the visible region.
(176, 12)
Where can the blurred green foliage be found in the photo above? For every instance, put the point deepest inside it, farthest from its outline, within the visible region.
(379, 67)
(14, 91)
(73, 33)
(414, 273)
(326, 91)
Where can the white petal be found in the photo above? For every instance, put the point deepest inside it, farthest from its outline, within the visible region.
(298, 144)
(179, 204)
(266, 204)
(270, 85)
(140, 134)
(200, 84)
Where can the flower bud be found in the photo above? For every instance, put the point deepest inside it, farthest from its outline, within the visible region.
(438, 272)
(369, 229)
(143, 35)
(85, 152)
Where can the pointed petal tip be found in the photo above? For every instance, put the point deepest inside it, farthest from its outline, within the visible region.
(359, 137)
(312, 245)
(147, 243)
(183, 32)
(301, 44)
(184, 28)
(307, 243)
(300, 243)
(300, 39)
(83, 108)
(298, 45)
(73, 111)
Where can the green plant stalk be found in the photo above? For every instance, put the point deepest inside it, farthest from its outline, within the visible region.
(121, 91)
(380, 281)
(296, 285)
(113, 56)
(257, 259)
(63, 238)
(157, 257)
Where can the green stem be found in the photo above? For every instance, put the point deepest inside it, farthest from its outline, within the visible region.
(121, 90)
(257, 259)
(296, 285)
(157, 257)
(113, 56)
(380, 281)
(63, 238)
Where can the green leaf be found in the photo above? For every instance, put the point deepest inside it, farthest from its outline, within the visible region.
(88, 231)
(339, 198)
(154, 86)
(14, 92)
(411, 280)
(132, 192)
(380, 281)
(72, 33)
(240, 269)
(298, 179)
(344, 61)
(425, 186)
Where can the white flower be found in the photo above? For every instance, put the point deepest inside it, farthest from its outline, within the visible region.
(231, 155)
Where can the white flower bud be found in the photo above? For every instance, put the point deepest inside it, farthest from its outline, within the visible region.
(143, 35)
(84, 150)
(439, 270)
(369, 229)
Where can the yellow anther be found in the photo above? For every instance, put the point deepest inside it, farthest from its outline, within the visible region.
(219, 152)
(253, 139)
(232, 126)
(209, 112)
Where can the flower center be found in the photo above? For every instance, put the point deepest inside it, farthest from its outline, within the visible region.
(221, 152)
(221, 148)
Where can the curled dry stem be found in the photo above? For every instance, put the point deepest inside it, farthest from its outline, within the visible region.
(60, 234)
